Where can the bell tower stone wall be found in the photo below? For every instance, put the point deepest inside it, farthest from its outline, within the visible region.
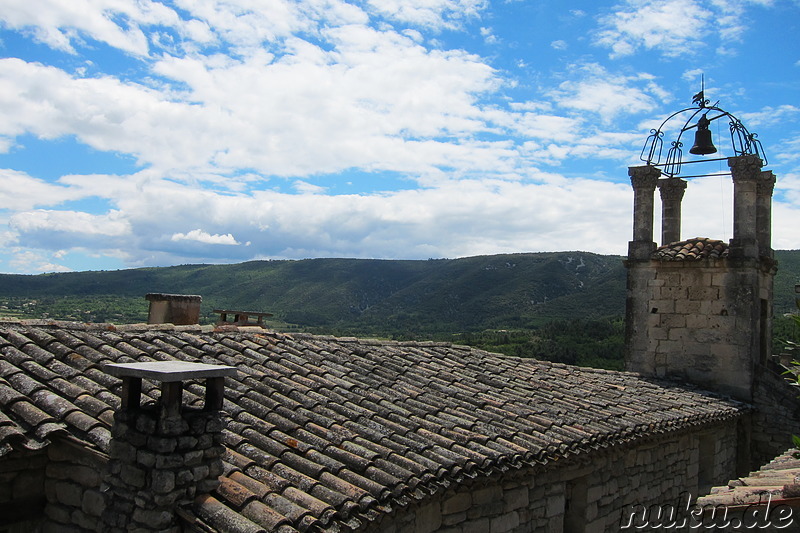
(701, 310)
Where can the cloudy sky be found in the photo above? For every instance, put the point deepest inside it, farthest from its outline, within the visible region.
(143, 133)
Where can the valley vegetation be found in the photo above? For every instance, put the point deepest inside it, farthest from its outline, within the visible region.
(561, 306)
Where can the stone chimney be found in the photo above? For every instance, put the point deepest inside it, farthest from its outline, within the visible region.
(178, 309)
(162, 456)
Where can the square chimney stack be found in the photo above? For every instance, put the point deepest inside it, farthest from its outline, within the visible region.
(178, 309)
(162, 456)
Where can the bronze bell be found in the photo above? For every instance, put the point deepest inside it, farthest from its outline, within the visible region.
(702, 138)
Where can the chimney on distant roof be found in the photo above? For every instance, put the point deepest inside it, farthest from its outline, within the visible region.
(162, 456)
(178, 309)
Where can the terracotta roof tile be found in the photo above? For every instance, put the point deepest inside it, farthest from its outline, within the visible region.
(326, 434)
(692, 250)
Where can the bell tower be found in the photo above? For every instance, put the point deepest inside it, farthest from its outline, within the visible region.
(700, 310)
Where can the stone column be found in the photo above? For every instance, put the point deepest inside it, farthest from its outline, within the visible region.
(766, 185)
(746, 171)
(643, 180)
(672, 190)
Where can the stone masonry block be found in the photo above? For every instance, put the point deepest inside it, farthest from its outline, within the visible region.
(687, 307)
(146, 458)
(672, 293)
(595, 493)
(457, 503)
(673, 321)
(146, 424)
(429, 518)
(168, 461)
(486, 495)
(662, 306)
(152, 519)
(69, 494)
(703, 293)
(697, 321)
(678, 334)
(504, 523)
(555, 505)
(57, 513)
(162, 444)
(454, 519)
(133, 476)
(172, 426)
(516, 499)
(93, 503)
(696, 277)
(163, 481)
(193, 458)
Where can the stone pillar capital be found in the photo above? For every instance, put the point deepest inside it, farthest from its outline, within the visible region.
(672, 189)
(644, 178)
(766, 183)
(745, 167)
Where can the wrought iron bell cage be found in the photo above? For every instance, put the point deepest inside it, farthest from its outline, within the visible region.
(742, 141)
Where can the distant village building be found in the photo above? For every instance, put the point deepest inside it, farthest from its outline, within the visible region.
(118, 428)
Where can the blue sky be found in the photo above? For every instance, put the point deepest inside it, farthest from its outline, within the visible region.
(141, 133)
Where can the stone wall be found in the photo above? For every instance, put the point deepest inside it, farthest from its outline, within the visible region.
(594, 494)
(158, 462)
(74, 475)
(700, 321)
(777, 414)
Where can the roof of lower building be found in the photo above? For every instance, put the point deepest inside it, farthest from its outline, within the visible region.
(692, 250)
(329, 433)
(777, 483)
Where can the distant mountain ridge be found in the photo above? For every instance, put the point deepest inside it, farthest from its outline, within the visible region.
(362, 296)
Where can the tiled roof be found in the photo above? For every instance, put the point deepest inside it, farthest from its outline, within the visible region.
(692, 250)
(778, 482)
(329, 433)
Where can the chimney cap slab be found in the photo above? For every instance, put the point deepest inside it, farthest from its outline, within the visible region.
(169, 371)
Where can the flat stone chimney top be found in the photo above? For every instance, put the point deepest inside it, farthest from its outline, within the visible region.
(167, 371)
(171, 374)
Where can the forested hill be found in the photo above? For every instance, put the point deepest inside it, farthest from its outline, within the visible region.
(565, 306)
(361, 296)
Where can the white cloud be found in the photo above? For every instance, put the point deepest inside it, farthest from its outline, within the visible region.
(673, 27)
(59, 24)
(201, 236)
(430, 13)
(77, 223)
(19, 191)
(593, 88)
(30, 261)
(367, 103)
(457, 218)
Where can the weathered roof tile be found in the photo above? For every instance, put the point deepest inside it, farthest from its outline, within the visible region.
(328, 433)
